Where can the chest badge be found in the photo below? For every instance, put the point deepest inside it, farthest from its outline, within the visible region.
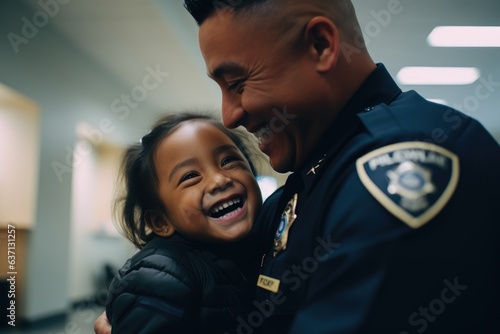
(268, 283)
(287, 218)
(412, 180)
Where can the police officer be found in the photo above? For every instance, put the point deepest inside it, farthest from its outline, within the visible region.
(388, 223)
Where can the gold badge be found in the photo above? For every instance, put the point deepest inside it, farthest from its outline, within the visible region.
(268, 283)
(287, 218)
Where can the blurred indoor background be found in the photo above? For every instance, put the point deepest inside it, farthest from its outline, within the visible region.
(80, 79)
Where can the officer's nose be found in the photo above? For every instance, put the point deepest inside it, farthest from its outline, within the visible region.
(219, 182)
(232, 111)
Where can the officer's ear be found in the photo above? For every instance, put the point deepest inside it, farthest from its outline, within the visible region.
(159, 223)
(323, 37)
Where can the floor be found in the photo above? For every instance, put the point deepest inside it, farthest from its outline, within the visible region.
(80, 321)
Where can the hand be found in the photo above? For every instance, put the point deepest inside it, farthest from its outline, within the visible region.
(102, 325)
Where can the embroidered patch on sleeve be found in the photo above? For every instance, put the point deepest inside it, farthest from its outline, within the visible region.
(412, 180)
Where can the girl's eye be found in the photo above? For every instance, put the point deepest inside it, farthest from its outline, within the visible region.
(228, 160)
(188, 176)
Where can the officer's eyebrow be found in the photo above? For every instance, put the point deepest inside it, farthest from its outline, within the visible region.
(224, 69)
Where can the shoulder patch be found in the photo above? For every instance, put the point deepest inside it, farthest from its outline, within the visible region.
(412, 180)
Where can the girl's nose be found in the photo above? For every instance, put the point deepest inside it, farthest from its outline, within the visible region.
(219, 182)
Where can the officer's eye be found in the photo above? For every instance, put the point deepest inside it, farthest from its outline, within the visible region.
(236, 85)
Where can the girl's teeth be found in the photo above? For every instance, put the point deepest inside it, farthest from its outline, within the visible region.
(231, 213)
(227, 204)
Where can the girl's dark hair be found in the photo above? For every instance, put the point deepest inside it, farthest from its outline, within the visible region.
(140, 181)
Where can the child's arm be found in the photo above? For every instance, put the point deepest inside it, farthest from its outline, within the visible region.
(102, 325)
(153, 296)
(145, 314)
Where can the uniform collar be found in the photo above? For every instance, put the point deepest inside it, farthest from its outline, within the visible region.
(378, 88)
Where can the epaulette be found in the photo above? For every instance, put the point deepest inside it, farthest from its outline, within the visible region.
(411, 179)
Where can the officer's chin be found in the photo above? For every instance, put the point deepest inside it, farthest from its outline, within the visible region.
(281, 165)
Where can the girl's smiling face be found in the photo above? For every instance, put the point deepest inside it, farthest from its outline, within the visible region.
(206, 184)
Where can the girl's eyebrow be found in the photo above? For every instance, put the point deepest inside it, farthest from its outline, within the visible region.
(193, 161)
(180, 165)
(224, 148)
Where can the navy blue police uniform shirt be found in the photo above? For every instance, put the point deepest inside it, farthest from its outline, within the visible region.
(396, 228)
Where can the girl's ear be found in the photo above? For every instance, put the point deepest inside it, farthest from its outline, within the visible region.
(159, 223)
(324, 38)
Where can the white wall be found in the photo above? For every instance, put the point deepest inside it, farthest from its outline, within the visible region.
(68, 88)
(19, 147)
(92, 230)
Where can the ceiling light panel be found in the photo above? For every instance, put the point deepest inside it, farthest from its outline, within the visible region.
(420, 75)
(462, 36)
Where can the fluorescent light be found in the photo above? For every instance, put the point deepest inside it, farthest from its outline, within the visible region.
(448, 36)
(414, 75)
(438, 101)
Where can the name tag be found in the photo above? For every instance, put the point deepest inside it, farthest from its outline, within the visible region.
(268, 283)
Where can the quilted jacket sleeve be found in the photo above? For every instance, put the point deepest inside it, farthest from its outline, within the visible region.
(153, 295)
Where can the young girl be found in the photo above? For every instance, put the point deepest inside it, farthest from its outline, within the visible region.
(190, 194)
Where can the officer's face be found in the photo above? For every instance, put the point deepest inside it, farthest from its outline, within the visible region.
(270, 89)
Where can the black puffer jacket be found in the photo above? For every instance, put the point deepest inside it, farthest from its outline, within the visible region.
(174, 285)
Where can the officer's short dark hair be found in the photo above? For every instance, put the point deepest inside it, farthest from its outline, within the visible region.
(202, 9)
